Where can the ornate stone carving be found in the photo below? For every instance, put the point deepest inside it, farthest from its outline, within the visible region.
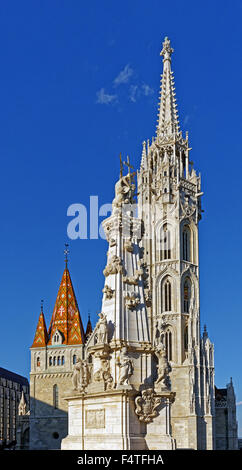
(102, 329)
(103, 374)
(148, 299)
(163, 368)
(112, 242)
(132, 300)
(131, 280)
(95, 419)
(124, 190)
(146, 405)
(125, 367)
(81, 375)
(108, 292)
(114, 266)
(128, 246)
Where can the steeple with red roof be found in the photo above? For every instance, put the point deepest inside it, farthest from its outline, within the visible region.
(65, 321)
(66, 316)
(41, 335)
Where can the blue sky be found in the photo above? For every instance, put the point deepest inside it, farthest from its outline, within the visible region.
(79, 84)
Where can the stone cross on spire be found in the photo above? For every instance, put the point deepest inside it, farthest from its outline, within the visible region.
(66, 253)
(168, 124)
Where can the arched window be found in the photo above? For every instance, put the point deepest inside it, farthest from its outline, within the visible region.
(165, 243)
(168, 344)
(62, 360)
(186, 338)
(38, 361)
(55, 396)
(74, 359)
(166, 296)
(50, 361)
(54, 361)
(186, 243)
(58, 361)
(186, 295)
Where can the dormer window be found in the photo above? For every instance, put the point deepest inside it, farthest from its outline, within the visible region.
(57, 338)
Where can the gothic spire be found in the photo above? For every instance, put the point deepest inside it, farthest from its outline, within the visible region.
(41, 336)
(66, 316)
(89, 327)
(168, 124)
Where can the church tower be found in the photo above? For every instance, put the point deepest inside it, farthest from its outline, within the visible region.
(146, 380)
(53, 357)
(169, 204)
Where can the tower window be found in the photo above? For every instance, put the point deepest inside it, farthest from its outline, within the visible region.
(168, 344)
(186, 295)
(74, 359)
(55, 396)
(166, 296)
(62, 360)
(165, 243)
(186, 237)
(50, 361)
(38, 361)
(186, 338)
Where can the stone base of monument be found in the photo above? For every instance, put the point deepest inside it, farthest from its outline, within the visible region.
(107, 421)
(103, 421)
(158, 436)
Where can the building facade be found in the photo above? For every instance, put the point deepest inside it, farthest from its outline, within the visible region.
(53, 356)
(13, 388)
(226, 424)
(170, 206)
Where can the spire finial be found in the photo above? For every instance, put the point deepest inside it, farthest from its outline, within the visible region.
(168, 122)
(66, 252)
(121, 165)
(41, 306)
(167, 49)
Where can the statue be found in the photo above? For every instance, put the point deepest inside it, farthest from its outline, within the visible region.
(81, 374)
(103, 374)
(132, 300)
(163, 367)
(102, 329)
(76, 377)
(108, 292)
(125, 367)
(114, 266)
(124, 188)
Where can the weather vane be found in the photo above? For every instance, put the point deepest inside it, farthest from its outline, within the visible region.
(66, 252)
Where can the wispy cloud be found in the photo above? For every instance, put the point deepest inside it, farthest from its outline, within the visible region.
(186, 119)
(134, 92)
(105, 98)
(147, 90)
(239, 403)
(123, 76)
